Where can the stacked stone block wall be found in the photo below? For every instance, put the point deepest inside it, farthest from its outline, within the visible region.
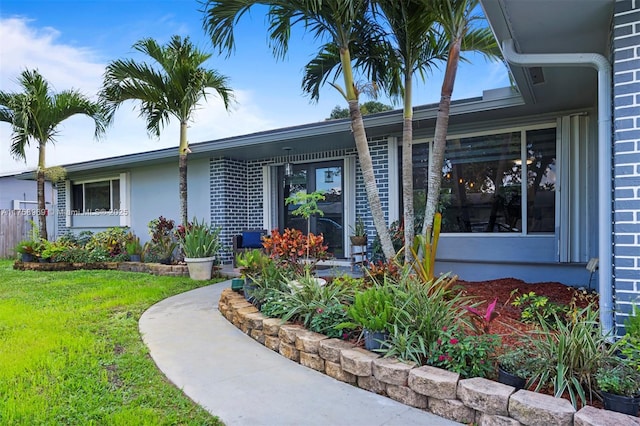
(626, 157)
(470, 401)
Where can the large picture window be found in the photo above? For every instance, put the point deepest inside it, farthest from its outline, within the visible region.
(501, 182)
(91, 197)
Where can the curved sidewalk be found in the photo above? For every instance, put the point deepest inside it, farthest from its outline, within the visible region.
(244, 383)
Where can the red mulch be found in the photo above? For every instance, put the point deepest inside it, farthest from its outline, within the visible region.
(507, 325)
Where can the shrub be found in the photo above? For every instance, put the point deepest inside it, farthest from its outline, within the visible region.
(618, 378)
(538, 309)
(327, 318)
(371, 309)
(468, 355)
(113, 240)
(420, 312)
(162, 244)
(288, 248)
(568, 354)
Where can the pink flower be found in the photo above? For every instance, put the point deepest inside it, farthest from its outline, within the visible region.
(444, 328)
(439, 341)
(453, 341)
(319, 310)
(441, 358)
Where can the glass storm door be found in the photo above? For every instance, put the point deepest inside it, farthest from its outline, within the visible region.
(307, 178)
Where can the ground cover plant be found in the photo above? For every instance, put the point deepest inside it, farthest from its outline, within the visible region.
(71, 353)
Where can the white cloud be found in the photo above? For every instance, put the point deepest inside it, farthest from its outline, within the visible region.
(68, 67)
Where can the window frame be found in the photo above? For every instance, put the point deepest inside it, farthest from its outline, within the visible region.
(523, 189)
(109, 179)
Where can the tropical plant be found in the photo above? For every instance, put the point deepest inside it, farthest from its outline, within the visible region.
(326, 319)
(162, 244)
(420, 312)
(113, 240)
(200, 240)
(415, 47)
(307, 207)
(352, 42)
(173, 86)
(568, 355)
(27, 247)
(425, 265)
(35, 114)
(468, 355)
(132, 245)
(359, 230)
(537, 309)
(251, 262)
(480, 320)
(459, 22)
(287, 248)
(372, 310)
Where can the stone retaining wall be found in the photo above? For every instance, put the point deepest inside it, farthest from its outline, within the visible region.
(479, 401)
(151, 268)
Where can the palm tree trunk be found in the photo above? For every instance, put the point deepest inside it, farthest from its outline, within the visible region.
(364, 157)
(182, 166)
(440, 137)
(42, 219)
(407, 170)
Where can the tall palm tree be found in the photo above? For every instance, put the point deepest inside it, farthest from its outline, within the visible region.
(416, 48)
(343, 23)
(457, 19)
(172, 87)
(35, 114)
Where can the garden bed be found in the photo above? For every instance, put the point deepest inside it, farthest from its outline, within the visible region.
(473, 400)
(151, 268)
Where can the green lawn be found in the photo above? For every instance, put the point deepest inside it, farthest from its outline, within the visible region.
(70, 351)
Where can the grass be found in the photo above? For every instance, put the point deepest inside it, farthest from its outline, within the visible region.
(71, 353)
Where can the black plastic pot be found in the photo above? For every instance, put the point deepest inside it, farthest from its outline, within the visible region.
(26, 257)
(374, 339)
(510, 379)
(620, 403)
(248, 290)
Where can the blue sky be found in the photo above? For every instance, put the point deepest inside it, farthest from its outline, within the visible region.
(70, 42)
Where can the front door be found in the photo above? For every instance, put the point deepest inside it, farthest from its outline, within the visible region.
(325, 177)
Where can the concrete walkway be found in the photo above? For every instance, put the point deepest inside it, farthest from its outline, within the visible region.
(242, 382)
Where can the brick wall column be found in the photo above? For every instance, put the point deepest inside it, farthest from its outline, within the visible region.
(626, 156)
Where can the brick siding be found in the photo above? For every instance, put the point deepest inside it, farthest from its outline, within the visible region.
(626, 156)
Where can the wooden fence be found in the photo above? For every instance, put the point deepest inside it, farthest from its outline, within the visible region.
(14, 227)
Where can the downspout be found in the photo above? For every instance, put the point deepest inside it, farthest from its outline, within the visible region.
(601, 64)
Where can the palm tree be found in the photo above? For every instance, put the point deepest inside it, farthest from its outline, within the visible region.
(172, 88)
(35, 115)
(457, 20)
(344, 24)
(416, 48)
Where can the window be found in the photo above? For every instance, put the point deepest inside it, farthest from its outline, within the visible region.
(483, 184)
(89, 197)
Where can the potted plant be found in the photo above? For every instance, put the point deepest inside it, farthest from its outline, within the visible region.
(373, 311)
(200, 243)
(513, 367)
(250, 264)
(133, 248)
(27, 250)
(359, 237)
(619, 386)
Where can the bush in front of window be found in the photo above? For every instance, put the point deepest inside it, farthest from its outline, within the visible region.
(113, 241)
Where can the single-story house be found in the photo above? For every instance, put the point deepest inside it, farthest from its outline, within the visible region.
(539, 178)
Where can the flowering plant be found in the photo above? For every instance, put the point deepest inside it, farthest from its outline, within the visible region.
(468, 355)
